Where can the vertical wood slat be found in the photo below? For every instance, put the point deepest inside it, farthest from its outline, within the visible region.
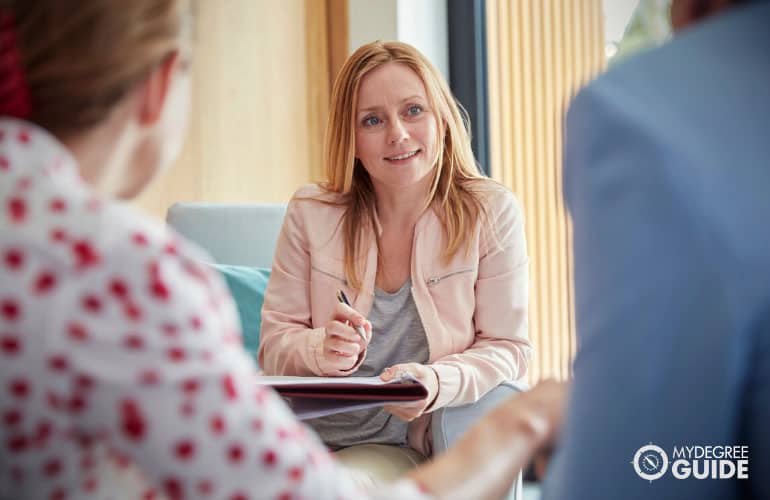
(317, 60)
(557, 58)
(539, 53)
(495, 72)
(338, 35)
(326, 28)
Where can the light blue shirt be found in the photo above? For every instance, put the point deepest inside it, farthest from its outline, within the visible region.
(667, 178)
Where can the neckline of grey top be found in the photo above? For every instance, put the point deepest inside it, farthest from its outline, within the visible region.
(379, 292)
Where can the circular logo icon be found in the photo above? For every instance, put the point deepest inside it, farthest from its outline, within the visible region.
(650, 462)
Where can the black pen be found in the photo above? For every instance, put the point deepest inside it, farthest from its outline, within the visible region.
(344, 299)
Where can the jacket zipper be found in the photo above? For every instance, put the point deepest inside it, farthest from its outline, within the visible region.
(436, 279)
(343, 281)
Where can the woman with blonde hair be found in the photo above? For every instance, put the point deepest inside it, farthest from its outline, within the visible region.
(118, 371)
(428, 249)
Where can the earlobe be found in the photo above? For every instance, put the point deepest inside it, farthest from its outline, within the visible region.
(155, 88)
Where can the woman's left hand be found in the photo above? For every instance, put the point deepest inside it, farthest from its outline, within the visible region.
(427, 377)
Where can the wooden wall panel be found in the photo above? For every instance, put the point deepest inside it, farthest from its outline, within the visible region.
(261, 91)
(337, 19)
(539, 53)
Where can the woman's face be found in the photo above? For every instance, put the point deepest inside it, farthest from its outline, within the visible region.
(395, 128)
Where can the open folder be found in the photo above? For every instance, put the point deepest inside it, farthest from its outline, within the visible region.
(311, 397)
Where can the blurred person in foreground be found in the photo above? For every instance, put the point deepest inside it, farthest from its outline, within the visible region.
(667, 178)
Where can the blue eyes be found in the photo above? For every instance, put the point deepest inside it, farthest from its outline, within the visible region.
(412, 111)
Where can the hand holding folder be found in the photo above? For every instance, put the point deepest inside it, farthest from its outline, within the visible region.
(311, 397)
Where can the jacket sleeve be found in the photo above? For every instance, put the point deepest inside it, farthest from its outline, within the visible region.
(288, 344)
(501, 349)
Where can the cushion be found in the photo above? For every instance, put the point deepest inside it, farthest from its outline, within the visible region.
(247, 286)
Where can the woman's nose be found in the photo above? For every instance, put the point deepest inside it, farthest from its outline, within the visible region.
(397, 132)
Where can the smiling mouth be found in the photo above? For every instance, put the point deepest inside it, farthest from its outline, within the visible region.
(404, 156)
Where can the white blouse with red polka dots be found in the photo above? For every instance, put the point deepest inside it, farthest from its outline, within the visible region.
(121, 369)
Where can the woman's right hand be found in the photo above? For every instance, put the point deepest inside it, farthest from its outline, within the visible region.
(342, 344)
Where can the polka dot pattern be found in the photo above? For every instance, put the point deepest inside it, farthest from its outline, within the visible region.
(118, 350)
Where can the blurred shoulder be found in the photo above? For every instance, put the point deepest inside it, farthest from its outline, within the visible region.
(134, 242)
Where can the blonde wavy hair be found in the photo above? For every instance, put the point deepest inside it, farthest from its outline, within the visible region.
(457, 181)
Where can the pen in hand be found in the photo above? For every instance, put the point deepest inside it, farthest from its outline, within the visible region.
(344, 299)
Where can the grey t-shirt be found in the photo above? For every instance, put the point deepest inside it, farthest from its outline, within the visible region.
(397, 337)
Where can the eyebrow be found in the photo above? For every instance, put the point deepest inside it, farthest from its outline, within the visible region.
(376, 108)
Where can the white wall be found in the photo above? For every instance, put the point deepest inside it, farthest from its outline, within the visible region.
(371, 20)
(422, 23)
(617, 13)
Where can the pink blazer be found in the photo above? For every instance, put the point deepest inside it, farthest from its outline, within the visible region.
(473, 309)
